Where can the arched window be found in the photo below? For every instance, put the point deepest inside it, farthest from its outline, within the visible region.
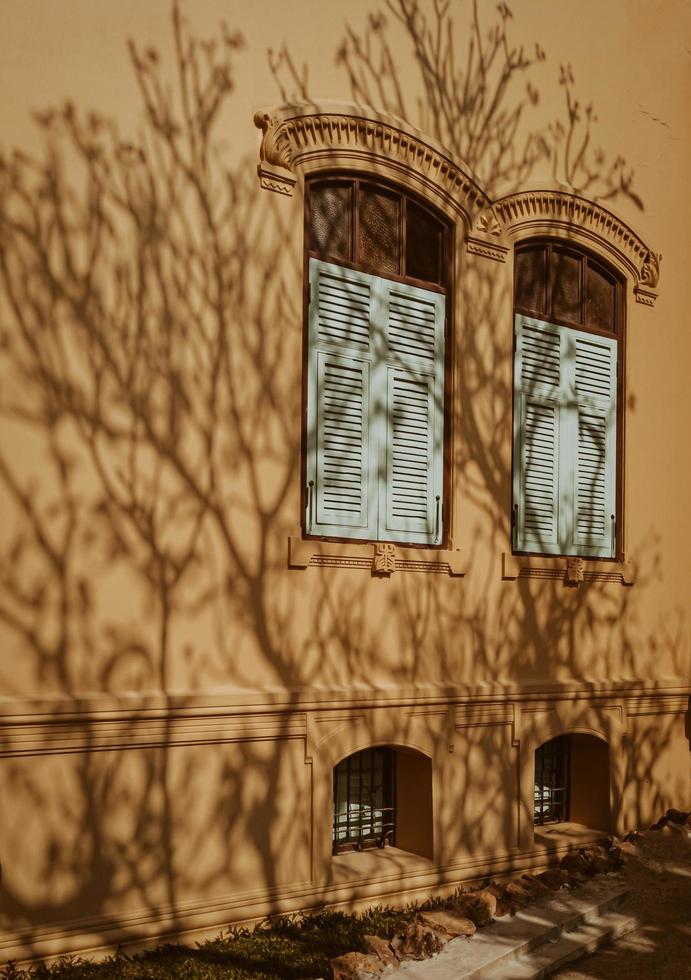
(377, 281)
(572, 782)
(568, 383)
(382, 797)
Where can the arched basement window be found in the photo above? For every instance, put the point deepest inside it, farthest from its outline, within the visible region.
(572, 782)
(364, 795)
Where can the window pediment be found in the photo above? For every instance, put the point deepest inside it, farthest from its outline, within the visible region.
(305, 138)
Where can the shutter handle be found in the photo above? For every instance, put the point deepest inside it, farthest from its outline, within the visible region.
(514, 524)
(614, 535)
(436, 525)
(310, 498)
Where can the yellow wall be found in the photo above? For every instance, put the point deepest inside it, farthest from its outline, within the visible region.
(174, 695)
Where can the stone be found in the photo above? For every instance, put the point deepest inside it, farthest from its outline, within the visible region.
(554, 878)
(537, 888)
(505, 904)
(519, 893)
(574, 863)
(678, 816)
(659, 824)
(479, 906)
(376, 946)
(452, 923)
(484, 906)
(417, 942)
(356, 966)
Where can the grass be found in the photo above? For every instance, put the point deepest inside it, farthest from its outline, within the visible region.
(295, 947)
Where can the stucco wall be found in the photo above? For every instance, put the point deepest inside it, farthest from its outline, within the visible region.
(174, 695)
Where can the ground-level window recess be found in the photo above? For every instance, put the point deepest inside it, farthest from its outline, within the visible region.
(571, 789)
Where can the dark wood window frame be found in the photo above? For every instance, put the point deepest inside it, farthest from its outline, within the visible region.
(445, 286)
(618, 332)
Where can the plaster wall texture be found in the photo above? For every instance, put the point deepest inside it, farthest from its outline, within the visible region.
(174, 695)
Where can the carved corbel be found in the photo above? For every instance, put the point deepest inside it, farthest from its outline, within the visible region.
(275, 162)
(384, 558)
(648, 278)
(485, 239)
(575, 571)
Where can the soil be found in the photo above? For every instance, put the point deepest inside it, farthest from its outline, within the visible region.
(659, 873)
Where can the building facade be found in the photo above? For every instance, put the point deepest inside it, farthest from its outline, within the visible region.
(345, 455)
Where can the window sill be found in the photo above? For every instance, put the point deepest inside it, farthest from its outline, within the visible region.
(373, 864)
(381, 559)
(572, 571)
(567, 834)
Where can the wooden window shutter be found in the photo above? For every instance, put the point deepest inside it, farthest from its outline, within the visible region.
(375, 408)
(564, 440)
(341, 444)
(412, 383)
(594, 427)
(537, 417)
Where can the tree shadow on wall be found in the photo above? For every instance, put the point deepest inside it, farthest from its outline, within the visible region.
(151, 337)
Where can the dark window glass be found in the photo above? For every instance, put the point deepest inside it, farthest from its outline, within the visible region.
(552, 781)
(379, 230)
(565, 279)
(531, 280)
(599, 298)
(363, 795)
(423, 245)
(330, 221)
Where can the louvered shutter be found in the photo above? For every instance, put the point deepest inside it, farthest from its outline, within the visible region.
(564, 440)
(594, 425)
(412, 382)
(341, 444)
(537, 417)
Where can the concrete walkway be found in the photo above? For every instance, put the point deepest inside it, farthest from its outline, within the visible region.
(650, 923)
(659, 876)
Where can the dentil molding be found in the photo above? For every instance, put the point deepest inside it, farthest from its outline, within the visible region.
(300, 138)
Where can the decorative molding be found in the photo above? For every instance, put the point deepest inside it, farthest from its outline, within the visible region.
(562, 211)
(483, 714)
(384, 558)
(308, 136)
(374, 557)
(486, 247)
(575, 568)
(571, 570)
(661, 704)
(94, 734)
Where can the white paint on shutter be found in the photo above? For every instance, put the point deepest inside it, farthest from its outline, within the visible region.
(564, 440)
(341, 448)
(412, 324)
(343, 309)
(375, 407)
(595, 463)
(539, 523)
(411, 504)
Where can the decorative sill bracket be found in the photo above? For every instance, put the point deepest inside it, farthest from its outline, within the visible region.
(572, 571)
(381, 559)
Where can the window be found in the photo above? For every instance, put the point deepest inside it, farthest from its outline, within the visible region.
(377, 291)
(364, 813)
(552, 782)
(567, 382)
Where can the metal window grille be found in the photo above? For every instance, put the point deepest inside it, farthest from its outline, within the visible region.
(364, 813)
(552, 781)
